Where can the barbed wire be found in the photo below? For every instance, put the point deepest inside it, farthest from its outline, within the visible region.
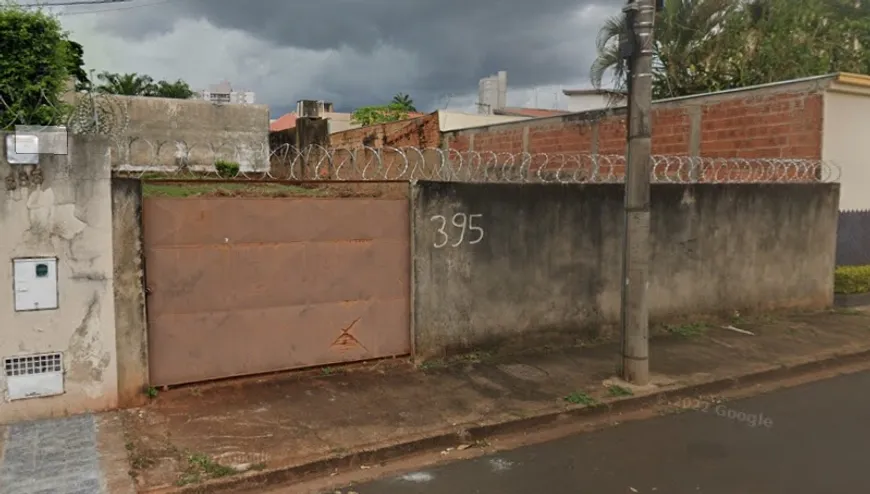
(83, 112)
(254, 161)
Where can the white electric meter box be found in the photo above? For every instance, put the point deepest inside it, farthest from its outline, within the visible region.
(35, 283)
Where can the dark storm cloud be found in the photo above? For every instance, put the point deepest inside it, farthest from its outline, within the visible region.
(454, 42)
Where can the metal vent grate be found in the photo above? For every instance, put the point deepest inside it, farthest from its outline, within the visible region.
(33, 364)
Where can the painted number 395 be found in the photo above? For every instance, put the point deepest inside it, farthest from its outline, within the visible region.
(465, 223)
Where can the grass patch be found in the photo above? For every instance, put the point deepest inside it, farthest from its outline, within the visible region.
(849, 280)
(686, 330)
(581, 398)
(844, 311)
(618, 391)
(200, 467)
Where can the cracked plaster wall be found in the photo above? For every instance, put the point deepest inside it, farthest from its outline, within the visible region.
(63, 209)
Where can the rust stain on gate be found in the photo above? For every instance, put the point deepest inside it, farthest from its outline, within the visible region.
(241, 286)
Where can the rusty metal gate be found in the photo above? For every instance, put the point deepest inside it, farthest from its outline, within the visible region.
(241, 286)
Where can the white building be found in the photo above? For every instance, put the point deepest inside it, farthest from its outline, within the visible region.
(492, 93)
(580, 100)
(224, 93)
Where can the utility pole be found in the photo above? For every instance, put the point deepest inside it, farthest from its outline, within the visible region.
(639, 16)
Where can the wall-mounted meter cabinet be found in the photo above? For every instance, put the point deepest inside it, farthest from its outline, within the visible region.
(35, 283)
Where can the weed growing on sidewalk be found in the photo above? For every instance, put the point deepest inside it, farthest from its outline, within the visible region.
(687, 330)
(618, 391)
(847, 311)
(200, 467)
(464, 359)
(138, 460)
(581, 398)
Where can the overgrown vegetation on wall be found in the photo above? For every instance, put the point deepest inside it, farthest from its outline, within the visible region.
(852, 279)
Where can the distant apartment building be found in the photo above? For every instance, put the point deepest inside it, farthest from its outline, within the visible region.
(224, 93)
(492, 93)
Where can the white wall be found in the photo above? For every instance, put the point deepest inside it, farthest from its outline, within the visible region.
(586, 102)
(68, 216)
(448, 120)
(339, 122)
(845, 143)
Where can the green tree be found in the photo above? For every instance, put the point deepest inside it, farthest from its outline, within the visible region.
(404, 101)
(711, 45)
(134, 84)
(688, 47)
(126, 84)
(784, 41)
(373, 115)
(36, 58)
(76, 67)
(178, 89)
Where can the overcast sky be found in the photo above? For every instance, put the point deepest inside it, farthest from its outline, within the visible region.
(351, 52)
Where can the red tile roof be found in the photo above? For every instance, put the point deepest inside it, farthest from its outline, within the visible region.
(284, 122)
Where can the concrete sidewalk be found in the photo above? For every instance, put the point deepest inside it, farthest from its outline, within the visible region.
(84, 454)
(252, 432)
(188, 436)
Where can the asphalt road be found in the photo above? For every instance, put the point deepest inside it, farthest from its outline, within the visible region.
(811, 439)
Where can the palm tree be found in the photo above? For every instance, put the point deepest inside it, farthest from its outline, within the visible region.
(126, 84)
(688, 47)
(404, 101)
(178, 89)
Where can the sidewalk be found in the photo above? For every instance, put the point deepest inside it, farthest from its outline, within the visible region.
(248, 429)
(76, 455)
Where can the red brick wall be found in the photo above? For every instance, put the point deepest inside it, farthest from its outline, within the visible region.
(422, 132)
(764, 123)
(774, 122)
(784, 125)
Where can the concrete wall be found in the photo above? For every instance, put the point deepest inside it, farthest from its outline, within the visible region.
(165, 132)
(62, 209)
(129, 277)
(845, 143)
(547, 258)
(451, 120)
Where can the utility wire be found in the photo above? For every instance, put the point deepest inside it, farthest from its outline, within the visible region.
(73, 2)
(98, 2)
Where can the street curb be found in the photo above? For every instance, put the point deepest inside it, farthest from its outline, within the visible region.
(472, 432)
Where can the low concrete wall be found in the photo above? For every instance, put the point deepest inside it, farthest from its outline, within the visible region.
(540, 261)
(165, 132)
(61, 209)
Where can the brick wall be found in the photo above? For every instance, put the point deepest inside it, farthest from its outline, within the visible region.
(422, 132)
(778, 125)
(777, 122)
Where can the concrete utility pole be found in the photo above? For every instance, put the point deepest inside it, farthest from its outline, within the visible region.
(640, 16)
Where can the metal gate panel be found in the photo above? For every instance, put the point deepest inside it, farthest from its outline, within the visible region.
(241, 286)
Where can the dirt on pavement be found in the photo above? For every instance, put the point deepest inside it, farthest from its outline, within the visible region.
(192, 434)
